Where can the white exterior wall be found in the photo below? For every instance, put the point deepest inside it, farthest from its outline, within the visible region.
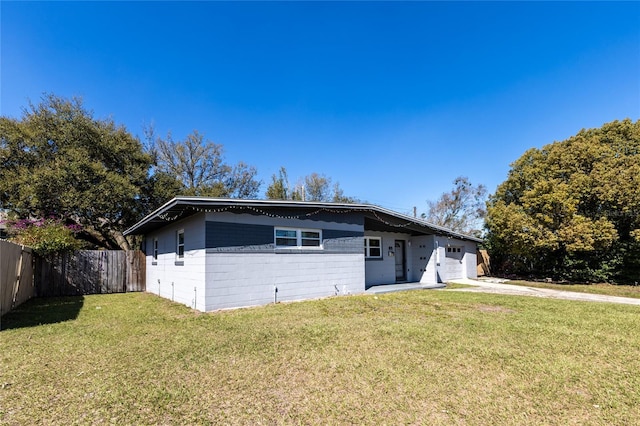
(248, 279)
(471, 259)
(383, 271)
(180, 280)
(424, 259)
(467, 267)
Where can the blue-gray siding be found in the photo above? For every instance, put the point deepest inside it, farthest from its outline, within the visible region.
(226, 236)
(223, 234)
(316, 215)
(330, 234)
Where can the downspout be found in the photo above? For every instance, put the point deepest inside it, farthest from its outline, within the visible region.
(437, 265)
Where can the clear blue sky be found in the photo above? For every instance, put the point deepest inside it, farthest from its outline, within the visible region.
(392, 100)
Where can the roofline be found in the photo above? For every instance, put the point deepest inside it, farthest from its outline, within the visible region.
(211, 201)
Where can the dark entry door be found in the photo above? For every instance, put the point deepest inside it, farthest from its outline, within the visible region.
(401, 269)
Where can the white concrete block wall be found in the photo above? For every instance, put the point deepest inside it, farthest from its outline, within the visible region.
(468, 265)
(248, 279)
(180, 280)
(424, 262)
(471, 259)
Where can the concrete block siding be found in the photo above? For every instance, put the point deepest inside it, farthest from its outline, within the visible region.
(470, 259)
(230, 259)
(246, 279)
(424, 259)
(246, 275)
(181, 280)
(467, 268)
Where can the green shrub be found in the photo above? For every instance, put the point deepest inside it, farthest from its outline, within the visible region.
(46, 236)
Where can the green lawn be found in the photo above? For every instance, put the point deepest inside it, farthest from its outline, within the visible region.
(607, 289)
(419, 357)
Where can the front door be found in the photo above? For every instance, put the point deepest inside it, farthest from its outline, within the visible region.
(400, 261)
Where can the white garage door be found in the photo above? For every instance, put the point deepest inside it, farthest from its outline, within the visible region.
(453, 262)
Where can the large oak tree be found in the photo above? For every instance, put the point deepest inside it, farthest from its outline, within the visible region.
(58, 160)
(571, 210)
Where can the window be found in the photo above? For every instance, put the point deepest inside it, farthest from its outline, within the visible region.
(288, 237)
(155, 249)
(373, 247)
(180, 244)
(310, 238)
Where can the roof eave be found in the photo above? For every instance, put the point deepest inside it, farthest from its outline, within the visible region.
(200, 201)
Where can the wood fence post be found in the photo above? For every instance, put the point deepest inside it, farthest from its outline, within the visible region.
(16, 284)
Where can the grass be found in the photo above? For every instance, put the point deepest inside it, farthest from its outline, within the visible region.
(606, 289)
(418, 357)
(453, 286)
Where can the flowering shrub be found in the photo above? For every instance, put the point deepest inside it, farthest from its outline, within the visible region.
(45, 236)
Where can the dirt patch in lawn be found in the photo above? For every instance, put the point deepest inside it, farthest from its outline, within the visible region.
(494, 308)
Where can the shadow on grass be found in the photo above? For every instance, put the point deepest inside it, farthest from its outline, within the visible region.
(39, 311)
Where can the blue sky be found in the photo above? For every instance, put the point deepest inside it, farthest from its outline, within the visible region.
(392, 100)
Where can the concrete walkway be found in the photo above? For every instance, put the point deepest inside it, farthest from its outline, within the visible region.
(390, 288)
(501, 287)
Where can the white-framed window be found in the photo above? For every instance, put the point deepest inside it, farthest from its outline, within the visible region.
(373, 247)
(298, 238)
(180, 244)
(155, 248)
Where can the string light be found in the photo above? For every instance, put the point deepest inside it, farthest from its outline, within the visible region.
(389, 223)
(169, 218)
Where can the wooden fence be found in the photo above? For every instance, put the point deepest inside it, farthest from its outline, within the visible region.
(16, 275)
(484, 263)
(90, 272)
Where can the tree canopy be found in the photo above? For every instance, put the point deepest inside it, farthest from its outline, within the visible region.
(571, 210)
(462, 209)
(59, 161)
(199, 168)
(279, 187)
(313, 187)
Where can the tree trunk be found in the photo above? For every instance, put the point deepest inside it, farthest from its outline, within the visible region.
(120, 239)
(97, 237)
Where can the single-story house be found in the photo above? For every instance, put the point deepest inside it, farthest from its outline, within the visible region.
(213, 253)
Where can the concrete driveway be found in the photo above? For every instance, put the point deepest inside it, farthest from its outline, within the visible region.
(502, 287)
